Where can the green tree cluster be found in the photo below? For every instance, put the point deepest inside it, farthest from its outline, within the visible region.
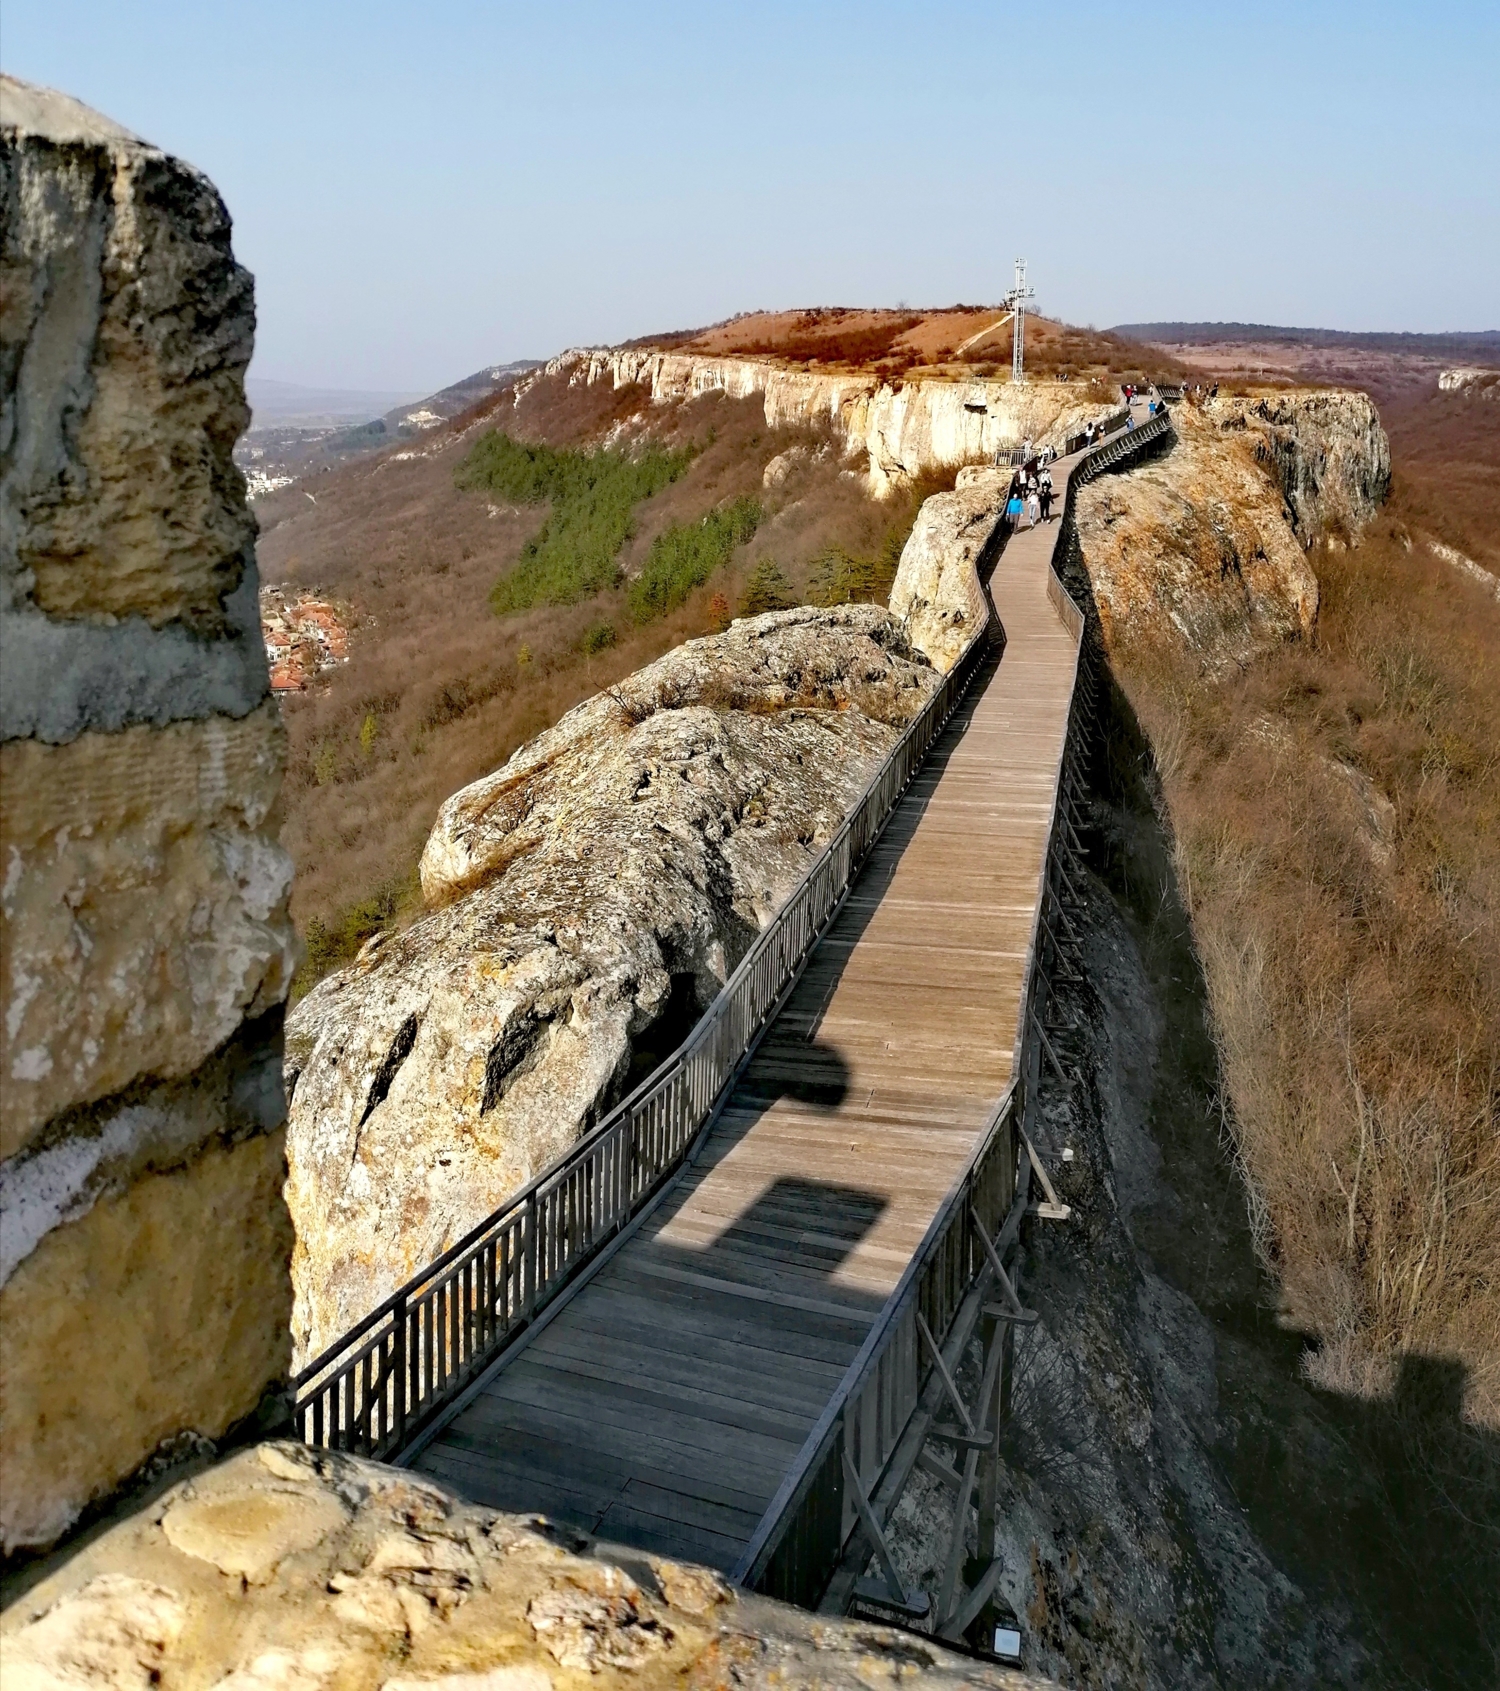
(593, 495)
(767, 590)
(685, 555)
(338, 941)
(841, 578)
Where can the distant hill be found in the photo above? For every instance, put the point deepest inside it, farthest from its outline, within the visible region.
(296, 431)
(1481, 345)
(277, 404)
(458, 396)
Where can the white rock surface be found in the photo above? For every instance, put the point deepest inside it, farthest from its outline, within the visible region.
(936, 594)
(921, 423)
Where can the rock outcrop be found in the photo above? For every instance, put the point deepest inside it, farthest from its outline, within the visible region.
(282, 1570)
(591, 898)
(921, 423)
(1473, 381)
(148, 950)
(936, 592)
(1326, 449)
(1202, 546)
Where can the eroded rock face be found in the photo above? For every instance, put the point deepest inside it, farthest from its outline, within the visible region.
(285, 1570)
(918, 424)
(1203, 545)
(600, 886)
(147, 946)
(1327, 450)
(936, 593)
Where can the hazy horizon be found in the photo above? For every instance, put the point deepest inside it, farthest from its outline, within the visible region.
(421, 194)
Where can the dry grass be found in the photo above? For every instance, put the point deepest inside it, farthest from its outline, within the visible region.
(895, 344)
(1335, 811)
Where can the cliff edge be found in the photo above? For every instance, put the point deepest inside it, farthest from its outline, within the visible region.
(1203, 547)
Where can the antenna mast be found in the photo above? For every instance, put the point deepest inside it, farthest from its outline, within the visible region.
(1017, 301)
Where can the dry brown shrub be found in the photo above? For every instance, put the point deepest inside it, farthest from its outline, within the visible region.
(825, 337)
(1335, 811)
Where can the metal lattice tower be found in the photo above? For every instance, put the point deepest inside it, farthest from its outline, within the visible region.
(1017, 301)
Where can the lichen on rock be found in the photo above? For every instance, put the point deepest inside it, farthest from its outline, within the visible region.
(285, 1569)
(589, 899)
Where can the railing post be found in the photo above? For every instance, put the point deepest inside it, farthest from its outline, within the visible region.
(398, 1369)
(533, 1254)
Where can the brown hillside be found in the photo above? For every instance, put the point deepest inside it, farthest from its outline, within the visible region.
(438, 690)
(895, 344)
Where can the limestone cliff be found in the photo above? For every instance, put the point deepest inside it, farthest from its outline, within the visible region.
(600, 886)
(147, 947)
(936, 592)
(1203, 545)
(285, 1571)
(922, 423)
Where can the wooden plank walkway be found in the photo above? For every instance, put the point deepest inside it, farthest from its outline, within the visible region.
(666, 1398)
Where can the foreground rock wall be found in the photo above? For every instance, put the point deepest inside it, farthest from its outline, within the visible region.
(1203, 545)
(144, 1245)
(922, 423)
(281, 1571)
(591, 897)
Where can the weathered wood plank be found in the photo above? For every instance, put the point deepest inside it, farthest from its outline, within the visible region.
(665, 1399)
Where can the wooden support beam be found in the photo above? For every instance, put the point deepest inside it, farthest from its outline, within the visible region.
(959, 1622)
(1052, 1056)
(942, 1368)
(896, 1593)
(1052, 1210)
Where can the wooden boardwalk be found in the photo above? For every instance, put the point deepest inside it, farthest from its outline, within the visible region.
(664, 1400)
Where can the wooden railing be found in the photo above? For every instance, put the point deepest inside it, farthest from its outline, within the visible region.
(1077, 442)
(867, 1430)
(386, 1379)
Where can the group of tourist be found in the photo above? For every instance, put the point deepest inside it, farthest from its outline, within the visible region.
(1030, 495)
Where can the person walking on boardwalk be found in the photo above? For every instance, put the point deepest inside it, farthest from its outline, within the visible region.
(1033, 508)
(1044, 494)
(1013, 506)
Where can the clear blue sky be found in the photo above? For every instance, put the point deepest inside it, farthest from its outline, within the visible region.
(425, 188)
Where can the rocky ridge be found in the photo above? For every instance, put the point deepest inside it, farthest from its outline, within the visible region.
(1203, 545)
(600, 886)
(903, 429)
